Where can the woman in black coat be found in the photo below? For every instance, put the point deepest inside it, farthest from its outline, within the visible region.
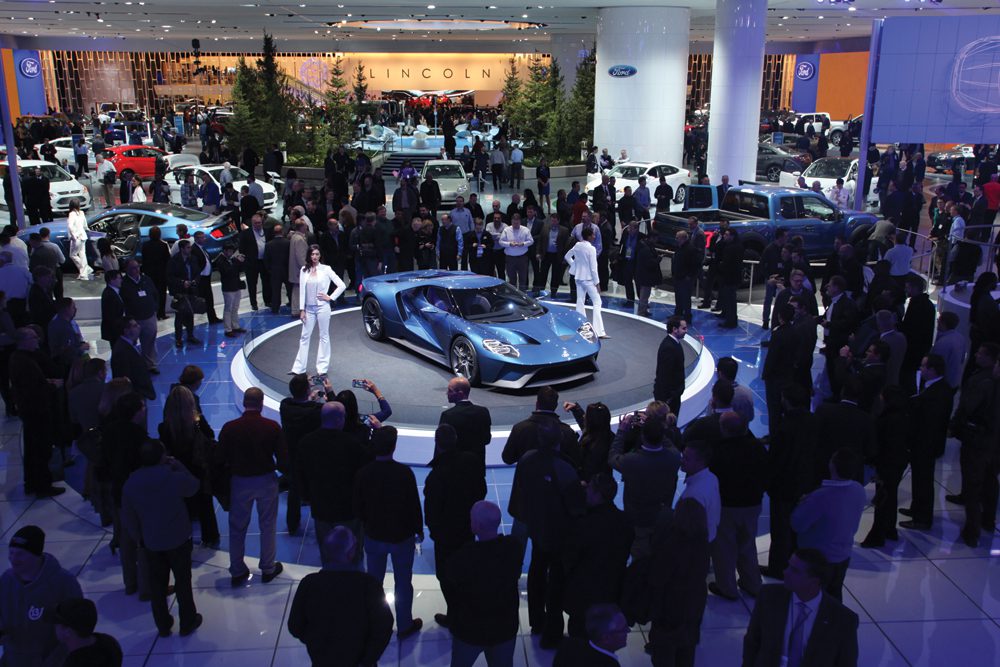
(155, 257)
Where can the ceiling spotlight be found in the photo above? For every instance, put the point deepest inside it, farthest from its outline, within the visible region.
(431, 6)
(99, 19)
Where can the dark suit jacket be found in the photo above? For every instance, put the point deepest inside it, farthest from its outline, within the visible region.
(276, 256)
(669, 382)
(473, 425)
(833, 641)
(126, 361)
(595, 556)
(454, 484)
(930, 411)
(177, 274)
(844, 424)
(575, 652)
(248, 246)
(112, 314)
(779, 364)
(155, 257)
(524, 438)
(918, 327)
(843, 321)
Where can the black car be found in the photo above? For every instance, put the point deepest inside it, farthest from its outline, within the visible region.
(772, 160)
(954, 158)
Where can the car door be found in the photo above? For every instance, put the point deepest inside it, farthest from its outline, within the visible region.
(424, 317)
(819, 224)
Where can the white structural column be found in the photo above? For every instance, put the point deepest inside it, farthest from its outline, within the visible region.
(737, 72)
(569, 50)
(640, 91)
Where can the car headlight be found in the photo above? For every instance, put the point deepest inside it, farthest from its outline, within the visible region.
(462, 188)
(501, 348)
(587, 331)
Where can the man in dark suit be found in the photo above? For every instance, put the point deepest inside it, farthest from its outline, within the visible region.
(252, 242)
(930, 410)
(779, 364)
(607, 632)
(669, 383)
(182, 278)
(203, 263)
(845, 425)
(276, 256)
(477, 250)
(112, 307)
(730, 277)
(551, 246)
(822, 632)
(127, 360)
(471, 422)
(604, 197)
(524, 436)
(722, 188)
(804, 327)
(839, 322)
(918, 327)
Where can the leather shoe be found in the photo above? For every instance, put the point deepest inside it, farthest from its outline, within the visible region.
(906, 511)
(178, 344)
(50, 492)
(714, 589)
(268, 577)
(154, 371)
(970, 540)
(241, 579)
(550, 643)
(871, 542)
(412, 630)
(165, 632)
(442, 620)
(194, 341)
(914, 525)
(954, 498)
(194, 626)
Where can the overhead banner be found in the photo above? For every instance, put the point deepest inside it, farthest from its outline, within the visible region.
(938, 81)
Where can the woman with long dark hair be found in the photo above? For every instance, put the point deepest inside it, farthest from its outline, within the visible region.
(315, 280)
(595, 438)
(358, 424)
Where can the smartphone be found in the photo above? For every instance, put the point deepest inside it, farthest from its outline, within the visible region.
(358, 384)
(366, 420)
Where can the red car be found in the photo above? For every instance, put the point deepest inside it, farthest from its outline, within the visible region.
(142, 159)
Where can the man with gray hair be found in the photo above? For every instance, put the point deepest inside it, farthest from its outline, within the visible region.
(328, 460)
(252, 445)
(339, 613)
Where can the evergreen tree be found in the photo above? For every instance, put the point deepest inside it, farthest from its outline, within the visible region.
(579, 116)
(276, 108)
(338, 108)
(512, 89)
(245, 128)
(360, 91)
(535, 104)
(557, 140)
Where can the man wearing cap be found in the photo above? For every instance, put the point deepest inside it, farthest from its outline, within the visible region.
(74, 621)
(35, 582)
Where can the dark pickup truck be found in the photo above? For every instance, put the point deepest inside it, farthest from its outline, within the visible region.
(756, 210)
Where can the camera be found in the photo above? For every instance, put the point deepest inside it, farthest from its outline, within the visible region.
(637, 420)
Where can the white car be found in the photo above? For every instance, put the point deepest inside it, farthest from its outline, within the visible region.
(175, 177)
(628, 173)
(450, 177)
(64, 151)
(827, 170)
(63, 188)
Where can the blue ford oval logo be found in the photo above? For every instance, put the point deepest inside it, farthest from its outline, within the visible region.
(805, 71)
(30, 68)
(622, 71)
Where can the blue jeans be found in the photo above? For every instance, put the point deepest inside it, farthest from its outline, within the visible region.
(402, 573)
(498, 655)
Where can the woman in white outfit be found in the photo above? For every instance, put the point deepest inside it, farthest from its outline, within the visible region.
(138, 193)
(76, 224)
(314, 304)
(582, 260)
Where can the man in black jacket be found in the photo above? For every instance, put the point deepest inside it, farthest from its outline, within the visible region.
(471, 422)
(596, 553)
(453, 485)
(524, 436)
(339, 613)
(299, 415)
(684, 267)
(483, 576)
(142, 300)
(839, 321)
(668, 384)
(276, 256)
(112, 307)
(182, 278)
(730, 277)
(127, 361)
(430, 196)
(328, 461)
(204, 265)
(779, 364)
(844, 425)
(252, 243)
(918, 327)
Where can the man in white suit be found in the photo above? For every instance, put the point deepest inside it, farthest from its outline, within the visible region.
(582, 260)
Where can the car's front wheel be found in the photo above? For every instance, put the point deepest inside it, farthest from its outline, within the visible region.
(773, 173)
(681, 194)
(371, 314)
(464, 360)
(836, 136)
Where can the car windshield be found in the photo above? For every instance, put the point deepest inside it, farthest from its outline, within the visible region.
(55, 174)
(499, 303)
(827, 169)
(444, 171)
(238, 174)
(629, 172)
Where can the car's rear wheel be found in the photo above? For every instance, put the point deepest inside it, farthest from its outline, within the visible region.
(836, 136)
(464, 360)
(681, 194)
(371, 314)
(773, 173)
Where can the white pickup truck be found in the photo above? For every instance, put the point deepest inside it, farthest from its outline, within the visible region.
(835, 129)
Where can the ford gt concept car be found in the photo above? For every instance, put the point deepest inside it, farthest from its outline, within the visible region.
(480, 327)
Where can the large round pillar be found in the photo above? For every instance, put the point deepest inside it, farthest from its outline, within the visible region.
(737, 71)
(640, 90)
(570, 51)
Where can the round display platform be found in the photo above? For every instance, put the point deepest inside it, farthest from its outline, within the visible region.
(415, 386)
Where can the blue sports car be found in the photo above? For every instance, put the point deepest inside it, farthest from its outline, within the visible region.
(127, 227)
(480, 327)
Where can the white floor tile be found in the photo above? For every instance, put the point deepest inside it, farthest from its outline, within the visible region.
(719, 647)
(57, 522)
(874, 648)
(979, 578)
(245, 618)
(936, 643)
(291, 657)
(909, 591)
(259, 658)
(126, 619)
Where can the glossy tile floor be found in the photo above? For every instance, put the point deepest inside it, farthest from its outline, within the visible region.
(924, 600)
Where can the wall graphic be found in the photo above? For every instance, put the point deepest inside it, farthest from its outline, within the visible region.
(939, 81)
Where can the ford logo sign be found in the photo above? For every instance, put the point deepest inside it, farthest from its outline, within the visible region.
(622, 71)
(805, 71)
(30, 68)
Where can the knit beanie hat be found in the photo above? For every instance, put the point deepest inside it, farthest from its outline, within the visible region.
(29, 538)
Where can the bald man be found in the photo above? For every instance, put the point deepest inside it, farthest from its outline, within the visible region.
(471, 422)
(483, 577)
(253, 447)
(328, 461)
